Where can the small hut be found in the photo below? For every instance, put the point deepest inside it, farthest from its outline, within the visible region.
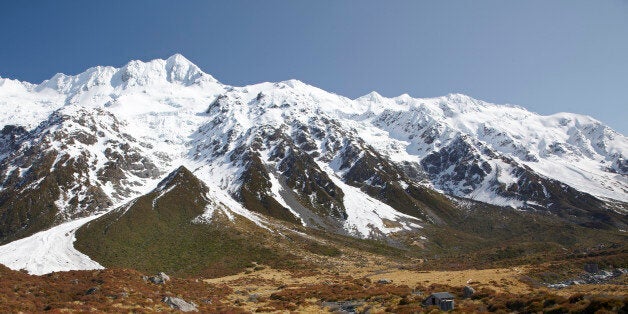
(444, 300)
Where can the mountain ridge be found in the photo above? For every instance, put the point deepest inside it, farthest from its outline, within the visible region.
(372, 167)
(363, 109)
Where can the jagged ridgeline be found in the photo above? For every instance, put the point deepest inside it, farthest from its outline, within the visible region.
(420, 175)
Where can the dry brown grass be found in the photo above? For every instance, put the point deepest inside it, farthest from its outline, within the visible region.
(261, 288)
(116, 290)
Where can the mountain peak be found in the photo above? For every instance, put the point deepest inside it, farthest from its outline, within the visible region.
(179, 59)
(293, 83)
(458, 97)
(178, 175)
(403, 96)
(12, 85)
(180, 69)
(372, 96)
(175, 69)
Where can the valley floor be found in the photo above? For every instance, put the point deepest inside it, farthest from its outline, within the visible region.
(353, 283)
(391, 288)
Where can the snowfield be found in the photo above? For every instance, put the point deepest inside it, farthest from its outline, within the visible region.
(48, 251)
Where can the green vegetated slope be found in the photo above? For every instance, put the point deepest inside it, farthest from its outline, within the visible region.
(157, 232)
(488, 236)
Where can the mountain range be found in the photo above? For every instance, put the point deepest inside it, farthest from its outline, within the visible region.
(157, 165)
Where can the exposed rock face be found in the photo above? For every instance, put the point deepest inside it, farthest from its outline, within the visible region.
(180, 304)
(10, 136)
(470, 167)
(72, 165)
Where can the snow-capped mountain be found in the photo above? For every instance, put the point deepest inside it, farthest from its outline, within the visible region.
(77, 145)
(574, 149)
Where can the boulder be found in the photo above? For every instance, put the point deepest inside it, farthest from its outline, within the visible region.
(467, 292)
(180, 304)
(591, 268)
(159, 279)
(384, 281)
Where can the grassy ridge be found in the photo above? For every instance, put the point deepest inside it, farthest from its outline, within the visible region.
(164, 238)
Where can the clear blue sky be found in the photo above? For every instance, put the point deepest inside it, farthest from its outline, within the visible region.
(548, 56)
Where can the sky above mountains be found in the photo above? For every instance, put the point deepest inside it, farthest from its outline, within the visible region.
(546, 56)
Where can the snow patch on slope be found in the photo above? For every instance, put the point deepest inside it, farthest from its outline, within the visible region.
(366, 215)
(214, 177)
(275, 190)
(48, 251)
